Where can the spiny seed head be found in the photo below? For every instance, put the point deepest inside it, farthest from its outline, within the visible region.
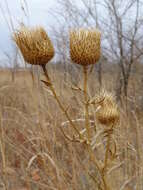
(34, 44)
(107, 112)
(85, 46)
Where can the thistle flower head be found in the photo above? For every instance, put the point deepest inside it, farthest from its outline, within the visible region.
(85, 46)
(34, 44)
(107, 112)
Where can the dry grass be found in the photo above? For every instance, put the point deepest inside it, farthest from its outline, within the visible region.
(36, 154)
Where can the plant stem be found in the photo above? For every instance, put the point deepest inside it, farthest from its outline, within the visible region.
(91, 153)
(106, 153)
(98, 166)
(106, 157)
(87, 125)
(58, 100)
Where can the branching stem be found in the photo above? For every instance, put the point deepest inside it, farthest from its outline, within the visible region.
(58, 100)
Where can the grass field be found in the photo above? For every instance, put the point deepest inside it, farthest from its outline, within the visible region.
(35, 153)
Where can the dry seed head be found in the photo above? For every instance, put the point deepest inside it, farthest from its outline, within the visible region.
(107, 112)
(85, 46)
(34, 44)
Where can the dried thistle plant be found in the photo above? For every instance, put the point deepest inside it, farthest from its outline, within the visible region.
(37, 49)
(85, 50)
(34, 44)
(107, 111)
(85, 46)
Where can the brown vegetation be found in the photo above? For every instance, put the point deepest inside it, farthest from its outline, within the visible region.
(36, 153)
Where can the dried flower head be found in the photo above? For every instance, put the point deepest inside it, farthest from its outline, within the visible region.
(85, 46)
(34, 44)
(107, 112)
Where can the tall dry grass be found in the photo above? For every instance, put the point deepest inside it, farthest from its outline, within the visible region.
(36, 153)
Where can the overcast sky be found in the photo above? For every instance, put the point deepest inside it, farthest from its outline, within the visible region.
(38, 15)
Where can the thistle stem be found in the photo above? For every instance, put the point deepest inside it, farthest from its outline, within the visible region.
(106, 153)
(98, 166)
(58, 100)
(104, 170)
(87, 124)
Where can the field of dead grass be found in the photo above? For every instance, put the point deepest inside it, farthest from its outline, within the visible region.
(35, 154)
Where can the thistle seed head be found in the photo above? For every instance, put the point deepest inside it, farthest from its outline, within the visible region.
(85, 46)
(107, 112)
(34, 44)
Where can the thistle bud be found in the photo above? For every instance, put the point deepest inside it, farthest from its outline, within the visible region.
(34, 44)
(107, 112)
(85, 46)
